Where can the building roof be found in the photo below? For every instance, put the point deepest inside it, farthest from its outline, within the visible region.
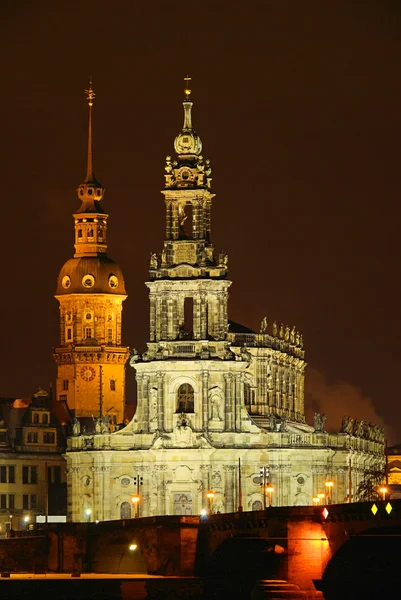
(101, 268)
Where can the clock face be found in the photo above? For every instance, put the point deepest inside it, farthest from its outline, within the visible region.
(88, 373)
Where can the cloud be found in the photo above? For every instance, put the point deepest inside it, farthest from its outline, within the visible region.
(336, 399)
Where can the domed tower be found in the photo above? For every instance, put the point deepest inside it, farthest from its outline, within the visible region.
(90, 289)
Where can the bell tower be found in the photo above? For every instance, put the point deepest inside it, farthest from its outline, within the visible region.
(188, 286)
(90, 290)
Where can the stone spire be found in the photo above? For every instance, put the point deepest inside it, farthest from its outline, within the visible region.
(90, 192)
(90, 218)
(187, 142)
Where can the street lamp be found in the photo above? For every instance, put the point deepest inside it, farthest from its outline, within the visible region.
(210, 496)
(270, 489)
(321, 495)
(329, 485)
(315, 500)
(26, 521)
(135, 500)
(88, 513)
(383, 490)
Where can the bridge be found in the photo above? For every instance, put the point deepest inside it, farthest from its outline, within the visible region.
(307, 546)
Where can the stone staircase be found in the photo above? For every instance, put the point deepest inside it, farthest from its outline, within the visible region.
(276, 589)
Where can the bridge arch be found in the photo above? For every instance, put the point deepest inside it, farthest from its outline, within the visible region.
(365, 566)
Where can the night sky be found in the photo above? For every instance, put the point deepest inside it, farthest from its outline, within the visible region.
(298, 105)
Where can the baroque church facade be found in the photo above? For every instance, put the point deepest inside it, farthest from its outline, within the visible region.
(215, 400)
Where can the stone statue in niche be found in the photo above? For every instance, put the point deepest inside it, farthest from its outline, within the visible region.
(182, 217)
(215, 400)
(164, 256)
(153, 404)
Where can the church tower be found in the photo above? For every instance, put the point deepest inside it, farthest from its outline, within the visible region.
(90, 289)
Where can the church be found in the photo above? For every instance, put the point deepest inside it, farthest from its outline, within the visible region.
(220, 408)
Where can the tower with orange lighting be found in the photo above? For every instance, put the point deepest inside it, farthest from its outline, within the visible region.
(90, 290)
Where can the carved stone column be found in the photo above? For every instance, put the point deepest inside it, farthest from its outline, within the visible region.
(228, 405)
(168, 220)
(229, 487)
(164, 318)
(139, 405)
(160, 400)
(195, 220)
(197, 317)
(174, 221)
(158, 327)
(145, 402)
(152, 325)
(174, 319)
(239, 400)
(161, 489)
(205, 474)
(205, 400)
(203, 317)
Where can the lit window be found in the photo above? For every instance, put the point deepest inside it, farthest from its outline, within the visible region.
(88, 333)
(112, 385)
(185, 398)
(45, 416)
(109, 335)
(69, 333)
(35, 418)
(65, 385)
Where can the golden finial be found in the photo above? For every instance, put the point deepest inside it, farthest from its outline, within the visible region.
(187, 88)
(90, 93)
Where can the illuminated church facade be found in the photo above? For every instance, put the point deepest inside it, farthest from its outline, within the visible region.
(215, 401)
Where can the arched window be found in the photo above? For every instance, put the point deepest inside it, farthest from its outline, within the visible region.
(45, 418)
(248, 394)
(125, 510)
(185, 398)
(35, 417)
(79, 233)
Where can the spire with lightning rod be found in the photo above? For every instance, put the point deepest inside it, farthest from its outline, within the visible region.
(90, 94)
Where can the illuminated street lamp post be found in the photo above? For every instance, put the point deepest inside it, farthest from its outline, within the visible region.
(315, 500)
(88, 513)
(329, 485)
(383, 490)
(135, 500)
(26, 521)
(210, 496)
(269, 490)
(321, 495)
